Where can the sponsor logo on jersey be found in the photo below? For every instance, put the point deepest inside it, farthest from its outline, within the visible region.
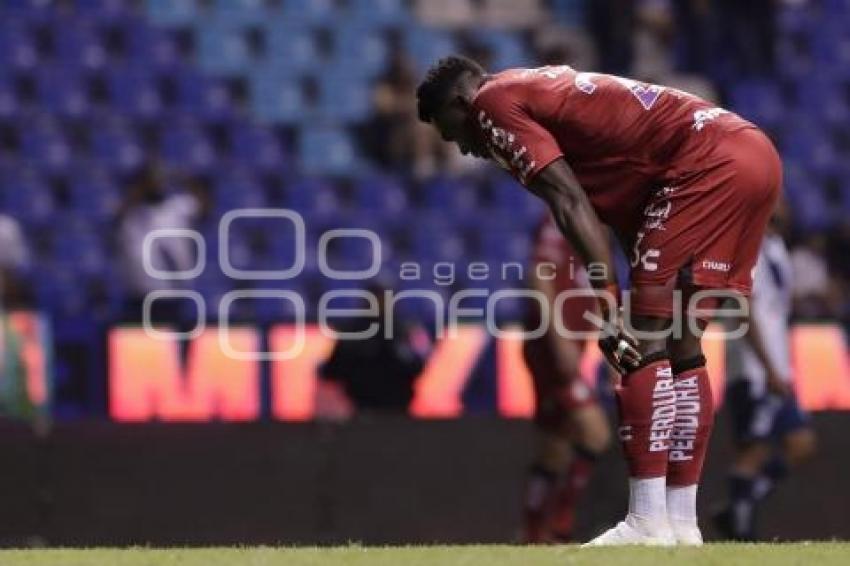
(504, 148)
(703, 117)
(713, 265)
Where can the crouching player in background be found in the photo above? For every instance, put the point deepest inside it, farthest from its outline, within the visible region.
(771, 431)
(573, 430)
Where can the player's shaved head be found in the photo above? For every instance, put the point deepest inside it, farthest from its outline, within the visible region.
(441, 84)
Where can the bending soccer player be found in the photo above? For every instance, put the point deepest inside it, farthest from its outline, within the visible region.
(772, 433)
(573, 428)
(687, 187)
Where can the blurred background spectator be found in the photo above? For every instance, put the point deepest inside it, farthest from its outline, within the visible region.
(147, 208)
(376, 374)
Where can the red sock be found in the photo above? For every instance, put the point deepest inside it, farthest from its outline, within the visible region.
(647, 406)
(694, 421)
(539, 494)
(566, 499)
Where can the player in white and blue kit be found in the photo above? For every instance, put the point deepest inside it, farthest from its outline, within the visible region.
(772, 432)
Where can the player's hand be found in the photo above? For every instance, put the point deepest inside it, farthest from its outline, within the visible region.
(777, 385)
(618, 346)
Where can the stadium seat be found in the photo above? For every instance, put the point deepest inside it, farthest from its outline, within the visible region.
(208, 98)
(379, 12)
(426, 46)
(155, 47)
(78, 44)
(185, 145)
(257, 147)
(360, 52)
(344, 99)
(279, 100)
(133, 91)
(290, 50)
(241, 13)
(63, 91)
(17, 47)
(173, 13)
(328, 150)
(223, 49)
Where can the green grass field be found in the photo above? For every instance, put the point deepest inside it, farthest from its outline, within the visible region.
(803, 554)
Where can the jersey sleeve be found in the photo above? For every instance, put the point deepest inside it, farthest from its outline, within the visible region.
(517, 141)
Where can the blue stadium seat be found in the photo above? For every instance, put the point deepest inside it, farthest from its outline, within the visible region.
(26, 196)
(186, 145)
(76, 43)
(94, 193)
(238, 188)
(290, 50)
(360, 51)
(241, 13)
(380, 12)
(223, 49)
(314, 12)
(426, 46)
(257, 147)
(208, 98)
(382, 195)
(103, 10)
(116, 147)
(8, 97)
(133, 91)
(450, 194)
(312, 196)
(44, 145)
(278, 99)
(344, 99)
(174, 13)
(328, 150)
(154, 47)
(507, 48)
(759, 101)
(17, 47)
(62, 91)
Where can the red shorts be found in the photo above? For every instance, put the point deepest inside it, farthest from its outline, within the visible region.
(705, 229)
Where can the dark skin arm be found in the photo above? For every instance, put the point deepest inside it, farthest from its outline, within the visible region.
(557, 185)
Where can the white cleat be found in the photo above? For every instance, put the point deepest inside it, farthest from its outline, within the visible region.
(686, 534)
(625, 533)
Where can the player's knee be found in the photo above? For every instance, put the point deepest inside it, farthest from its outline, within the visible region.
(593, 434)
(555, 452)
(800, 446)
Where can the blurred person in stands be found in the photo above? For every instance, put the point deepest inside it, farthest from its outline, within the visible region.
(148, 207)
(374, 364)
(812, 294)
(396, 139)
(572, 428)
(772, 433)
(14, 259)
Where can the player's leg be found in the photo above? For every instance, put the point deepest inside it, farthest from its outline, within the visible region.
(691, 431)
(646, 402)
(761, 468)
(572, 432)
(589, 434)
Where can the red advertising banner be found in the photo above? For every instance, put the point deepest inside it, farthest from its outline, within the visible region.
(148, 381)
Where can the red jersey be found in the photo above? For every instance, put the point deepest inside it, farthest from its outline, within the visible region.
(623, 139)
(550, 247)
